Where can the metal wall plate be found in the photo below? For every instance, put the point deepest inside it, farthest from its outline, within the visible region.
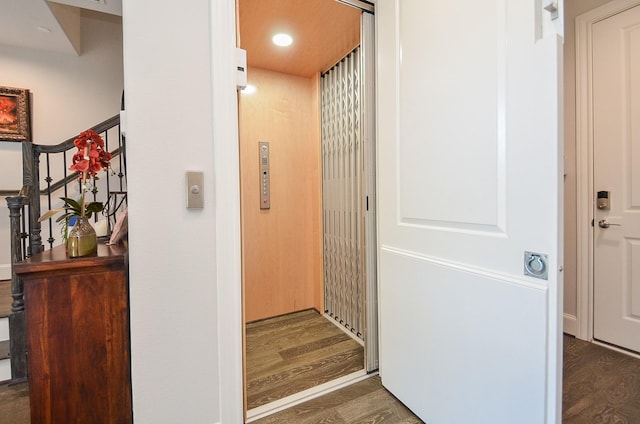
(536, 265)
(195, 192)
(265, 177)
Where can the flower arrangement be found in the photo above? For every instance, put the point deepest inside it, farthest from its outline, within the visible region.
(87, 162)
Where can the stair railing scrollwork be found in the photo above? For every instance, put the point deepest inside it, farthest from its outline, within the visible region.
(26, 207)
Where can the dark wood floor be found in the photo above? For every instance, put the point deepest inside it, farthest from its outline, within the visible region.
(14, 404)
(294, 352)
(601, 386)
(363, 402)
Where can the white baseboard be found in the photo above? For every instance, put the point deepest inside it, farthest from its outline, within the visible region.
(570, 324)
(5, 271)
(617, 349)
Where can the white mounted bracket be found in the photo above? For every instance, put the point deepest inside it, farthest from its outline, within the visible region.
(552, 8)
(123, 123)
(241, 69)
(549, 18)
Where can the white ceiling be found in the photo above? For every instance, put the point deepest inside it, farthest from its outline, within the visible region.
(324, 29)
(50, 26)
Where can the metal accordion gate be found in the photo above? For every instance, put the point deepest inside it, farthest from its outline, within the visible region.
(343, 196)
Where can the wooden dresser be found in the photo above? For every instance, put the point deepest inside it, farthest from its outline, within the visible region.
(77, 325)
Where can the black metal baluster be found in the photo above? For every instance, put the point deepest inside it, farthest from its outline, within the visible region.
(106, 203)
(35, 237)
(64, 172)
(122, 157)
(24, 234)
(48, 180)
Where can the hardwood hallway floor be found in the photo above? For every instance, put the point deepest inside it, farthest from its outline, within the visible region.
(294, 352)
(601, 386)
(365, 402)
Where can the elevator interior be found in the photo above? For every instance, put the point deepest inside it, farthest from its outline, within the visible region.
(280, 149)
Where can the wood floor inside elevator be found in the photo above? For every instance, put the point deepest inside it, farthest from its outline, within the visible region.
(295, 352)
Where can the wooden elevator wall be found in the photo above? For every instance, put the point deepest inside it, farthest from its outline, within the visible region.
(282, 261)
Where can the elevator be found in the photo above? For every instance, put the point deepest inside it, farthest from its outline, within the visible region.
(307, 160)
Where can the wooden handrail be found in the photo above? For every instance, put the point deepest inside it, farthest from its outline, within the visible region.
(66, 145)
(68, 179)
(55, 186)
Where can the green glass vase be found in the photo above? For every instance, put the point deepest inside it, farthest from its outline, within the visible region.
(82, 239)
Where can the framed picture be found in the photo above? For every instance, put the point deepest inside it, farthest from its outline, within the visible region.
(15, 122)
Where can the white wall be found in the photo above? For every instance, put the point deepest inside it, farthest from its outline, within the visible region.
(68, 94)
(179, 289)
(573, 8)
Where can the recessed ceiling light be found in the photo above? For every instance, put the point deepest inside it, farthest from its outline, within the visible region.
(43, 29)
(249, 89)
(282, 40)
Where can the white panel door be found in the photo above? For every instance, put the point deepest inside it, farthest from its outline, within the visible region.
(616, 139)
(469, 154)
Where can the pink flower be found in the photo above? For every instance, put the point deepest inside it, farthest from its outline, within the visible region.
(91, 156)
(88, 160)
(80, 166)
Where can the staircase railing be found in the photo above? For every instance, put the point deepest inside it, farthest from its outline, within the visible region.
(26, 206)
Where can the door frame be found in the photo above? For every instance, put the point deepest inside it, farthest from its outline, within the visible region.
(227, 210)
(230, 115)
(584, 158)
(228, 277)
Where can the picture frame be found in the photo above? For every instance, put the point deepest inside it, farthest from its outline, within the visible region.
(15, 120)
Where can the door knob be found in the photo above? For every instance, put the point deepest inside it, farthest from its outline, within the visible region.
(604, 224)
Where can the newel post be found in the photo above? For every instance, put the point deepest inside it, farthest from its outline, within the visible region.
(31, 179)
(17, 329)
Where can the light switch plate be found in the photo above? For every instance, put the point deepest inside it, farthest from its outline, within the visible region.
(195, 190)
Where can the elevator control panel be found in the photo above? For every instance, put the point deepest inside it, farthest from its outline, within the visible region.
(265, 198)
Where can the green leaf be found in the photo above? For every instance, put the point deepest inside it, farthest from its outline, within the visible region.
(65, 215)
(94, 207)
(49, 214)
(71, 204)
(72, 208)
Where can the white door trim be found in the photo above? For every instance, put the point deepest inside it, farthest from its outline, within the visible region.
(367, 43)
(227, 210)
(584, 157)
